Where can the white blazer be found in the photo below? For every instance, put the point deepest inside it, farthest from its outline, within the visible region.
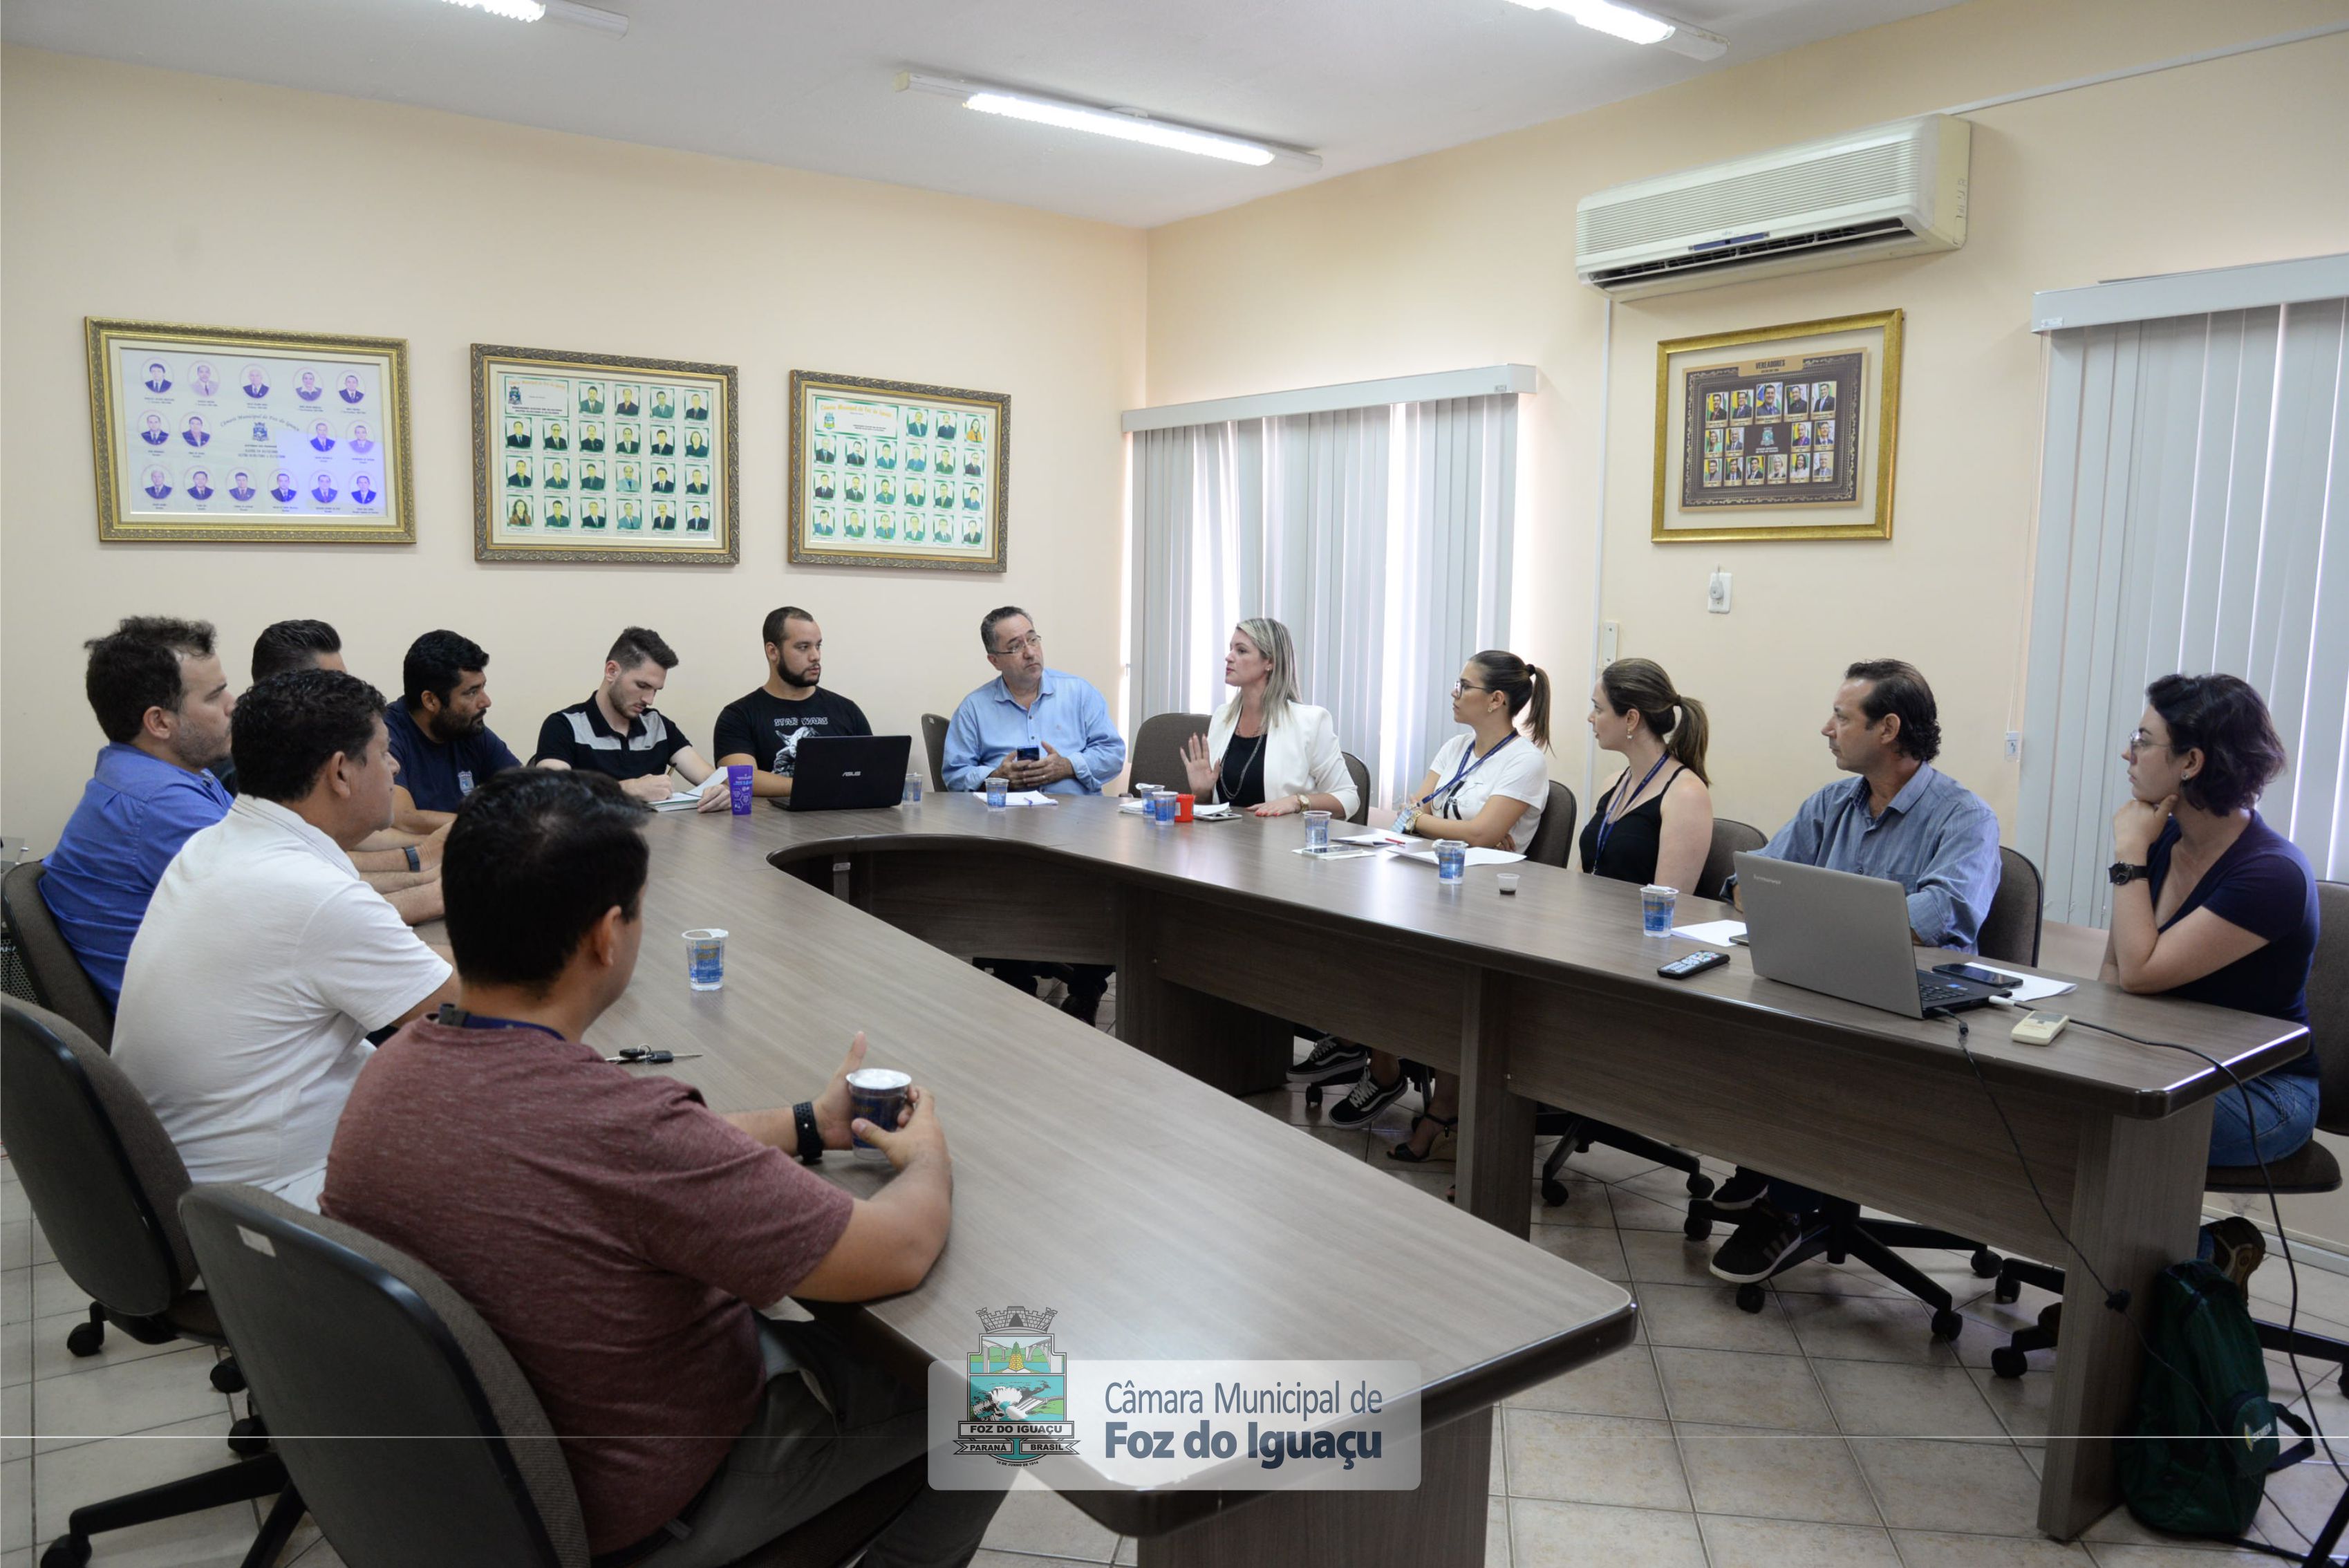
(1300, 756)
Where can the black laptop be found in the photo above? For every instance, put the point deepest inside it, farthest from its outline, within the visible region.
(840, 772)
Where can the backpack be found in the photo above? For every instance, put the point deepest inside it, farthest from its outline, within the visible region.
(2199, 1447)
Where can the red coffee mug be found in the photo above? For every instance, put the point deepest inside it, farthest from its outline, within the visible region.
(1182, 803)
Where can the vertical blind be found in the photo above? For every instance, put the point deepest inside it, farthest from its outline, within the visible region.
(2186, 511)
(1380, 536)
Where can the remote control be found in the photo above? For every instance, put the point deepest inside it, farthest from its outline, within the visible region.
(1695, 963)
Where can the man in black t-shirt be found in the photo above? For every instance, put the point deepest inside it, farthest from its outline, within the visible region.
(618, 731)
(766, 727)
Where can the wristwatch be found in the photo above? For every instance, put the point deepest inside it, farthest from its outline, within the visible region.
(1305, 802)
(810, 1136)
(2122, 873)
(415, 861)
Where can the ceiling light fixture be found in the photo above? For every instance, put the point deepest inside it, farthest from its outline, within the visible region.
(611, 24)
(1126, 125)
(1636, 26)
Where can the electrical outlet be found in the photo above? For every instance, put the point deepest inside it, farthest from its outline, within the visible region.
(1716, 594)
(1610, 633)
(2014, 745)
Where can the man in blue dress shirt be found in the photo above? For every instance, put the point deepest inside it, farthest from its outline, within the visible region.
(163, 701)
(1062, 723)
(440, 731)
(1903, 820)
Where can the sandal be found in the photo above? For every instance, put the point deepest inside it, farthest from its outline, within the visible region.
(1401, 1152)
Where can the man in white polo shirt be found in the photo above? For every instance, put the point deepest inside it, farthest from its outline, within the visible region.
(264, 961)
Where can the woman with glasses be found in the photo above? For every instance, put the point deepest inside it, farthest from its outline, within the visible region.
(1265, 751)
(2211, 904)
(1654, 824)
(1485, 788)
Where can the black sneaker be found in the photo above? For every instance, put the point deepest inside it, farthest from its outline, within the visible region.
(1330, 1058)
(1369, 1098)
(1756, 1249)
(1740, 1191)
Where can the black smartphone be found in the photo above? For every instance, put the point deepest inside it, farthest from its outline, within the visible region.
(1028, 754)
(1979, 975)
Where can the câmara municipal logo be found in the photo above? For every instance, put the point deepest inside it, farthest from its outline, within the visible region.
(1018, 1390)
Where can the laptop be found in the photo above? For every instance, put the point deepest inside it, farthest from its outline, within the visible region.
(843, 772)
(1842, 935)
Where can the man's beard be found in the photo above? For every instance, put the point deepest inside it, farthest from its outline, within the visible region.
(811, 676)
(449, 728)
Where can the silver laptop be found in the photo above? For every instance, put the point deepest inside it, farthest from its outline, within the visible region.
(1842, 935)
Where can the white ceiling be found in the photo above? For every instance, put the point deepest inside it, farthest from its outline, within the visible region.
(807, 85)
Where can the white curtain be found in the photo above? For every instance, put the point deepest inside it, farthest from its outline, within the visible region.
(1380, 536)
(2185, 525)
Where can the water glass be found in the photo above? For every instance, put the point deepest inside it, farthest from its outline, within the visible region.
(1656, 910)
(876, 1094)
(738, 788)
(998, 790)
(705, 960)
(1162, 805)
(913, 795)
(1451, 859)
(1317, 832)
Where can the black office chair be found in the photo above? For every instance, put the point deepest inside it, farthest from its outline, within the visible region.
(1157, 754)
(1360, 771)
(2313, 1168)
(933, 741)
(430, 1446)
(1731, 838)
(104, 1182)
(1554, 839)
(60, 982)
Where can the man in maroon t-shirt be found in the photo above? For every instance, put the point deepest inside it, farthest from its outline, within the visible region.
(618, 1234)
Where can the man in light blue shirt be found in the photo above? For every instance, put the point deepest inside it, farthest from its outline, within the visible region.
(162, 700)
(1058, 719)
(1903, 820)
(1062, 725)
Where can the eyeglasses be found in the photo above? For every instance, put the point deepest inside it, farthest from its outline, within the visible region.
(1462, 687)
(2140, 741)
(1034, 639)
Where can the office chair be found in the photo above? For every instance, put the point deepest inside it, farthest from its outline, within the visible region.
(1157, 754)
(934, 741)
(60, 982)
(103, 1180)
(1554, 839)
(2311, 1168)
(1360, 771)
(2009, 934)
(1731, 838)
(430, 1446)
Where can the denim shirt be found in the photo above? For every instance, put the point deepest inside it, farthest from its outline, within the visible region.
(1938, 839)
(1068, 714)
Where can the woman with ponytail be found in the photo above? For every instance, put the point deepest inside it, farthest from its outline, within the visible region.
(1654, 824)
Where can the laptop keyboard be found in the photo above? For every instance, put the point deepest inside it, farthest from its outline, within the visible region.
(1937, 994)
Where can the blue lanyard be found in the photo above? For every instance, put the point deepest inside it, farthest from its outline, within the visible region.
(1606, 822)
(1469, 764)
(451, 1015)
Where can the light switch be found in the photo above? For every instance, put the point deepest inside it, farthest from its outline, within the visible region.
(1716, 594)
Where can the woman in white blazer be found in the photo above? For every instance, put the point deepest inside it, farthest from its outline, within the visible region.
(1264, 750)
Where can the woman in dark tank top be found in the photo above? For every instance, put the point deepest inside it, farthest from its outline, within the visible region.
(1654, 824)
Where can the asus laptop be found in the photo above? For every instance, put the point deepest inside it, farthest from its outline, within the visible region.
(838, 772)
(1842, 935)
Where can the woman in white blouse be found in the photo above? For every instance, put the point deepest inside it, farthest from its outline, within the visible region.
(1486, 788)
(1264, 750)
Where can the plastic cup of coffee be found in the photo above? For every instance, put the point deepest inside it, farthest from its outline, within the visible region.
(705, 959)
(1508, 881)
(876, 1094)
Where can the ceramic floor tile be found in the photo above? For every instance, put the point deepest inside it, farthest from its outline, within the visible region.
(1923, 1549)
(1623, 1383)
(1596, 1248)
(1634, 1212)
(1577, 1535)
(1876, 1328)
(16, 1354)
(15, 1505)
(1661, 1183)
(16, 1422)
(1756, 1474)
(2022, 1404)
(2107, 1555)
(1784, 1543)
(1735, 1388)
(1886, 1399)
(1496, 1532)
(1043, 1524)
(1707, 1318)
(2119, 1530)
(1667, 1258)
(1600, 1163)
(16, 1244)
(52, 1359)
(1129, 1552)
(2304, 1494)
(1594, 1458)
(132, 1396)
(1982, 1488)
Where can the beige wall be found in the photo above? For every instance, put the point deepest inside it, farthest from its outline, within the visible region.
(333, 214)
(1467, 257)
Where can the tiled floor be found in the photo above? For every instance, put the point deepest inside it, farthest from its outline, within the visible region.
(1829, 1430)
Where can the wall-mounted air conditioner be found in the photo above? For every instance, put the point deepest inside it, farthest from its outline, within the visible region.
(1896, 190)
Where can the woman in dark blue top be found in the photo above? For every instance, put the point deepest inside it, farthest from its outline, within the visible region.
(2213, 905)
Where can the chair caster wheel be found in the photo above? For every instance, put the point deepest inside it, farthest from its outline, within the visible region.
(1749, 1298)
(87, 1339)
(1700, 1187)
(1312, 1096)
(66, 1551)
(1554, 1192)
(248, 1437)
(1697, 1228)
(1947, 1325)
(228, 1378)
(1985, 1264)
(2008, 1362)
(2008, 1292)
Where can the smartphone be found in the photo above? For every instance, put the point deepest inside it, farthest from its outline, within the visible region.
(1979, 975)
(1028, 754)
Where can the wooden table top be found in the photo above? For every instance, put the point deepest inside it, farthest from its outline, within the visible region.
(1563, 926)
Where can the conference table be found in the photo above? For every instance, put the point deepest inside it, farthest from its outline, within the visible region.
(2092, 1149)
(1156, 1215)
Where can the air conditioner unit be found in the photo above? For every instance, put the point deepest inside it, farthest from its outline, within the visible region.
(1896, 190)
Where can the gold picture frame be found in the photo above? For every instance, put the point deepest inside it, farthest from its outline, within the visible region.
(236, 436)
(1808, 413)
(868, 461)
(604, 458)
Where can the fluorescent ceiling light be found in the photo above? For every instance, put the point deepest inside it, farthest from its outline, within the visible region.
(610, 22)
(1637, 25)
(1126, 125)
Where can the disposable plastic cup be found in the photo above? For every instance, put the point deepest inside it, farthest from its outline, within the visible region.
(1656, 910)
(1450, 860)
(1508, 881)
(998, 790)
(913, 795)
(1161, 806)
(705, 959)
(1317, 831)
(738, 788)
(876, 1094)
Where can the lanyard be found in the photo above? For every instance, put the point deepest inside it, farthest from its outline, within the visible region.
(453, 1016)
(1606, 821)
(1469, 764)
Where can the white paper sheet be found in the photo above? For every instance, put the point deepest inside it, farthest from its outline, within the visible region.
(1713, 933)
(683, 800)
(1476, 856)
(2035, 987)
